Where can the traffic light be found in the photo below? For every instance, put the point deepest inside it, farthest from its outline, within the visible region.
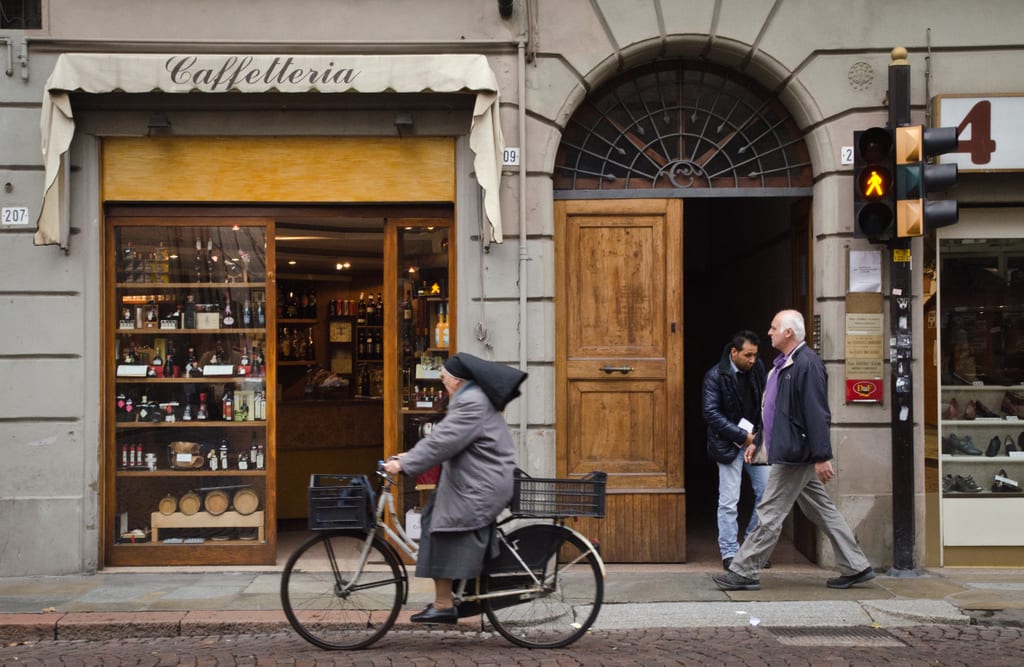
(873, 202)
(915, 178)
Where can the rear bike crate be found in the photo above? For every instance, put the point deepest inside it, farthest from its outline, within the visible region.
(341, 501)
(556, 498)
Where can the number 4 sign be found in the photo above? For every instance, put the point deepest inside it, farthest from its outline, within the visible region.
(990, 134)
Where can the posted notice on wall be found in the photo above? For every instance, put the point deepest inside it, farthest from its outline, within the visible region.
(865, 325)
(865, 271)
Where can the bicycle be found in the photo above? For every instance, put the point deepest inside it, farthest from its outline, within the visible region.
(344, 587)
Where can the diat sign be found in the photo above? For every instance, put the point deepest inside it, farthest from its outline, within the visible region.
(863, 391)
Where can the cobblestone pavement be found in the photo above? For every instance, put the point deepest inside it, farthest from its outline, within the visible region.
(973, 646)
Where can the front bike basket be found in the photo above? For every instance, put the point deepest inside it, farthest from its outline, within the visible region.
(341, 501)
(555, 498)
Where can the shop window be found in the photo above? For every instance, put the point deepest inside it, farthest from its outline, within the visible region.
(21, 14)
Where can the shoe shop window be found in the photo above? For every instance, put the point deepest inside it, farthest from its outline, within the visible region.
(981, 411)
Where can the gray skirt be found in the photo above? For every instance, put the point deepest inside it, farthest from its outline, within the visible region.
(452, 555)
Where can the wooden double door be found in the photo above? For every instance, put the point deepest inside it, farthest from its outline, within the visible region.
(619, 369)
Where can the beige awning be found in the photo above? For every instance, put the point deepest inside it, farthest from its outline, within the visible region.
(209, 73)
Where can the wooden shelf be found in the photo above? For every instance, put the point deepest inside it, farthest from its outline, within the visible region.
(309, 362)
(163, 286)
(229, 519)
(202, 379)
(195, 423)
(191, 473)
(194, 332)
(299, 320)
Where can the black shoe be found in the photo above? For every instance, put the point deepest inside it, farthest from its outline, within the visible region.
(982, 411)
(851, 579)
(1010, 446)
(993, 446)
(726, 562)
(967, 484)
(730, 581)
(1004, 484)
(954, 444)
(432, 614)
(949, 484)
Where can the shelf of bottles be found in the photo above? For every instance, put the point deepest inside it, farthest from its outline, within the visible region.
(296, 325)
(188, 403)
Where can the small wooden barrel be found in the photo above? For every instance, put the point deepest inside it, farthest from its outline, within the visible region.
(190, 503)
(168, 505)
(216, 501)
(246, 501)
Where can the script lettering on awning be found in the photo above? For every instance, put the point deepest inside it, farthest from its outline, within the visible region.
(225, 74)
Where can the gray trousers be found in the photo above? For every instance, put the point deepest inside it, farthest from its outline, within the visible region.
(797, 484)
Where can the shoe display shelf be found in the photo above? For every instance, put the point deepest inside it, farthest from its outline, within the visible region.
(982, 464)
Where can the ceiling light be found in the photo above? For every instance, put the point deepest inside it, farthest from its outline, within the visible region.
(292, 262)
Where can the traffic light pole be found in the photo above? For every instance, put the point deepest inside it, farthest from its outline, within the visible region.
(900, 325)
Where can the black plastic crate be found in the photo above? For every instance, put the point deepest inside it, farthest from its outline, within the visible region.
(341, 501)
(552, 498)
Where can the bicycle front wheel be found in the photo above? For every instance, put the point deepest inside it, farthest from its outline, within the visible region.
(342, 590)
(557, 601)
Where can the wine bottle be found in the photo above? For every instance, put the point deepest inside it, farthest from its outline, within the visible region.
(197, 265)
(247, 315)
(371, 311)
(361, 309)
(227, 319)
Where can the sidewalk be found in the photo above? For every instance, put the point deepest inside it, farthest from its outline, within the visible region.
(151, 602)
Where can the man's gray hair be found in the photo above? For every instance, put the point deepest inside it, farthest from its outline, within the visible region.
(792, 319)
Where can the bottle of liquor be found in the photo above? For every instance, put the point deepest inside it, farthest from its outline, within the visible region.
(252, 450)
(380, 309)
(169, 415)
(143, 413)
(210, 260)
(190, 312)
(227, 319)
(369, 346)
(226, 406)
(242, 411)
(198, 265)
(361, 309)
(186, 416)
(224, 454)
(371, 311)
(243, 363)
(310, 349)
(202, 413)
(124, 456)
(311, 299)
(378, 346)
(407, 309)
(291, 306)
(247, 315)
(259, 456)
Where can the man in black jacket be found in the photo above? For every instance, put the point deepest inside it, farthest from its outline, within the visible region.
(797, 425)
(732, 409)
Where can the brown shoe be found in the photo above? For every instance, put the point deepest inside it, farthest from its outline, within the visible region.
(952, 410)
(1009, 407)
(969, 411)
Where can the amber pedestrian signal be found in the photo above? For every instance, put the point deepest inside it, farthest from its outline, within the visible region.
(873, 201)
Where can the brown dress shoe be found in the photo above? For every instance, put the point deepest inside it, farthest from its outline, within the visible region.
(969, 411)
(1009, 407)
(982, 411)
(952, 410)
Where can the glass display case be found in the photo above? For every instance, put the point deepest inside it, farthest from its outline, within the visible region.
(426, 334)
(189, 455)
(981, 376)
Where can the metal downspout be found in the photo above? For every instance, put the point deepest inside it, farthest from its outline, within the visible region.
(523, 254)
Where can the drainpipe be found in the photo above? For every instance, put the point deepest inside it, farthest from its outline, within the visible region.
(523, 254)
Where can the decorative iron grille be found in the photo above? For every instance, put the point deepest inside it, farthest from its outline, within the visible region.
(678, 125)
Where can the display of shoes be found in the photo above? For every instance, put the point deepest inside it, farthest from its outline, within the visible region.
(949, 483)
(966, 484)
(1003, 484)
(953, 444)
(993, 446)
(981, 411)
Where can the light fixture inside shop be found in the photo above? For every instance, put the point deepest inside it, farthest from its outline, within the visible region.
(292, 262)
(342, 265)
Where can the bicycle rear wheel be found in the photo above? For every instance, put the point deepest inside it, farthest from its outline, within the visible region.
(563, 606)
(341, 590)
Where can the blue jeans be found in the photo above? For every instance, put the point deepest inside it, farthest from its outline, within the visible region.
(730, 480)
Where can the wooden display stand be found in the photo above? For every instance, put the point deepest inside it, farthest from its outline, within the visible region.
(230, 519)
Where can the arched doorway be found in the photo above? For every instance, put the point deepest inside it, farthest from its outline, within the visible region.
(730, 168)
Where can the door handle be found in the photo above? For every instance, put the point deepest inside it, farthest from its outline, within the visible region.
(617, 369)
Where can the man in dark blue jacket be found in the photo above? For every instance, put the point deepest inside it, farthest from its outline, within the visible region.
(732, 409)
(797, 423)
